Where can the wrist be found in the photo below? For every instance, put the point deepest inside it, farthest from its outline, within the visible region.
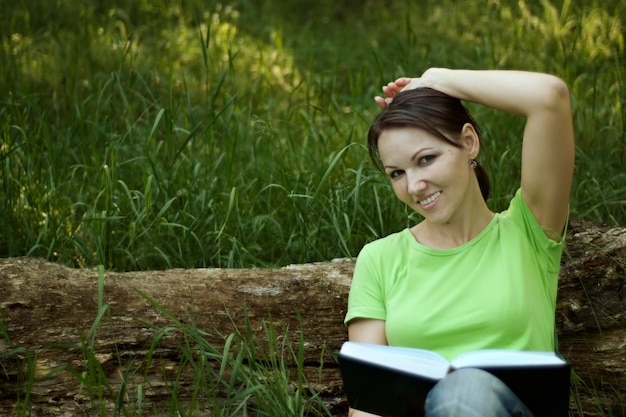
(435, 77)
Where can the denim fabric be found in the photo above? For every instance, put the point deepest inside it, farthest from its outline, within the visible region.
(473, 393)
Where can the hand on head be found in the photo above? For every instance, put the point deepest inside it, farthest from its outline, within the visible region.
(393, 88)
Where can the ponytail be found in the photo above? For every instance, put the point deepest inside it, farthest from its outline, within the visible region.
(483, 180)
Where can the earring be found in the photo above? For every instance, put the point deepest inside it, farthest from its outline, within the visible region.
(473, 163)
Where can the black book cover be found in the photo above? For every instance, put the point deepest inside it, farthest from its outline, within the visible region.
(396, 393)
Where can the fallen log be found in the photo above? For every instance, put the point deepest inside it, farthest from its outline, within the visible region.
(45, 307)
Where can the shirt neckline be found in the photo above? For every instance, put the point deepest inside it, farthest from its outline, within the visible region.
(424, 248)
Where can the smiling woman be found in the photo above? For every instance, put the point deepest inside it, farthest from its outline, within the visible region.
(434, 113)
(434, 178)
(466, 278)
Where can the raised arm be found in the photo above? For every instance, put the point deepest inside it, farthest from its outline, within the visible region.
(548, 140)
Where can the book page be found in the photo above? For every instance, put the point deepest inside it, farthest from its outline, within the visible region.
(410, 360)
(495, 357)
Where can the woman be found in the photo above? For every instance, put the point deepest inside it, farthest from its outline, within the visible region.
(466, 278)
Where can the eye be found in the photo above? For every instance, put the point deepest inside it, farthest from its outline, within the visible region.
(426, 159)
(395, 173)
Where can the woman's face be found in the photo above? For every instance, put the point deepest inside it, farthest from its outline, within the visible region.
(428, 174)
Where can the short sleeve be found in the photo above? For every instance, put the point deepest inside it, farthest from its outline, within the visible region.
(551, 249)
(366, 297)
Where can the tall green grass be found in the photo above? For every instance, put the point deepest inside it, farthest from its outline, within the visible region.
(148, 135)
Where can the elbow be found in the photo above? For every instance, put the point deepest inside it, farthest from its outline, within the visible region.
(557, 95)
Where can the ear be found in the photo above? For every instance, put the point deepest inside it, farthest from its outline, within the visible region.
(470, 140)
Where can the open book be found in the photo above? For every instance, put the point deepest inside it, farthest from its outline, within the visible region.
(394, 381)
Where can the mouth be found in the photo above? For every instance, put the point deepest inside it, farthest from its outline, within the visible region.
(431, 199)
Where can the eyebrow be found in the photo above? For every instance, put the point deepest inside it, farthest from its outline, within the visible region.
(413, 157)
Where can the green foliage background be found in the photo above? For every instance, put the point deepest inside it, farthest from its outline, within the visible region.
(156, 134)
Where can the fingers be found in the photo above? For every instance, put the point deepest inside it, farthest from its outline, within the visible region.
(389, 90)
(394, 87)
(403, 81)
(381, 101)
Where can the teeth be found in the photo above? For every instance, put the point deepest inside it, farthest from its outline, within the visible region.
(430, 199)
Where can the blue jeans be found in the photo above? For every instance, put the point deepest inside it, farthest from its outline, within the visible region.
(473, 393)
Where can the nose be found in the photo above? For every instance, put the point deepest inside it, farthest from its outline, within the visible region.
(415, 183)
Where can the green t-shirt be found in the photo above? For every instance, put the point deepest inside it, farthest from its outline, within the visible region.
(496, 291)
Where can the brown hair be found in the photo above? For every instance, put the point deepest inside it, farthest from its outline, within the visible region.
(431, 110)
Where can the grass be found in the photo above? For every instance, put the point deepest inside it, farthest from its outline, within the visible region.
(170, 134)
(148, 135)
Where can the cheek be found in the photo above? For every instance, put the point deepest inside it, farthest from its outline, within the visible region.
(453, 169)
(398, 187)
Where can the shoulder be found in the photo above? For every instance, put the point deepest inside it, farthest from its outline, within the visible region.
(380, 256)
(387, 245)
(392, 238)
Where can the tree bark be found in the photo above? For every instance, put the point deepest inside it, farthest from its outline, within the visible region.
(45, 307)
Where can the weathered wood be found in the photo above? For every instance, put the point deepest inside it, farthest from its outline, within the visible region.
(591, 315)
(44, 306)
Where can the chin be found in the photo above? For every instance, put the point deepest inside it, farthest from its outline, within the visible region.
(436, 219)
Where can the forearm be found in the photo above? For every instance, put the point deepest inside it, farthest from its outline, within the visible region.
(517, 92)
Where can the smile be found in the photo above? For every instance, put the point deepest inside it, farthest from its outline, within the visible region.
(430, 199)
